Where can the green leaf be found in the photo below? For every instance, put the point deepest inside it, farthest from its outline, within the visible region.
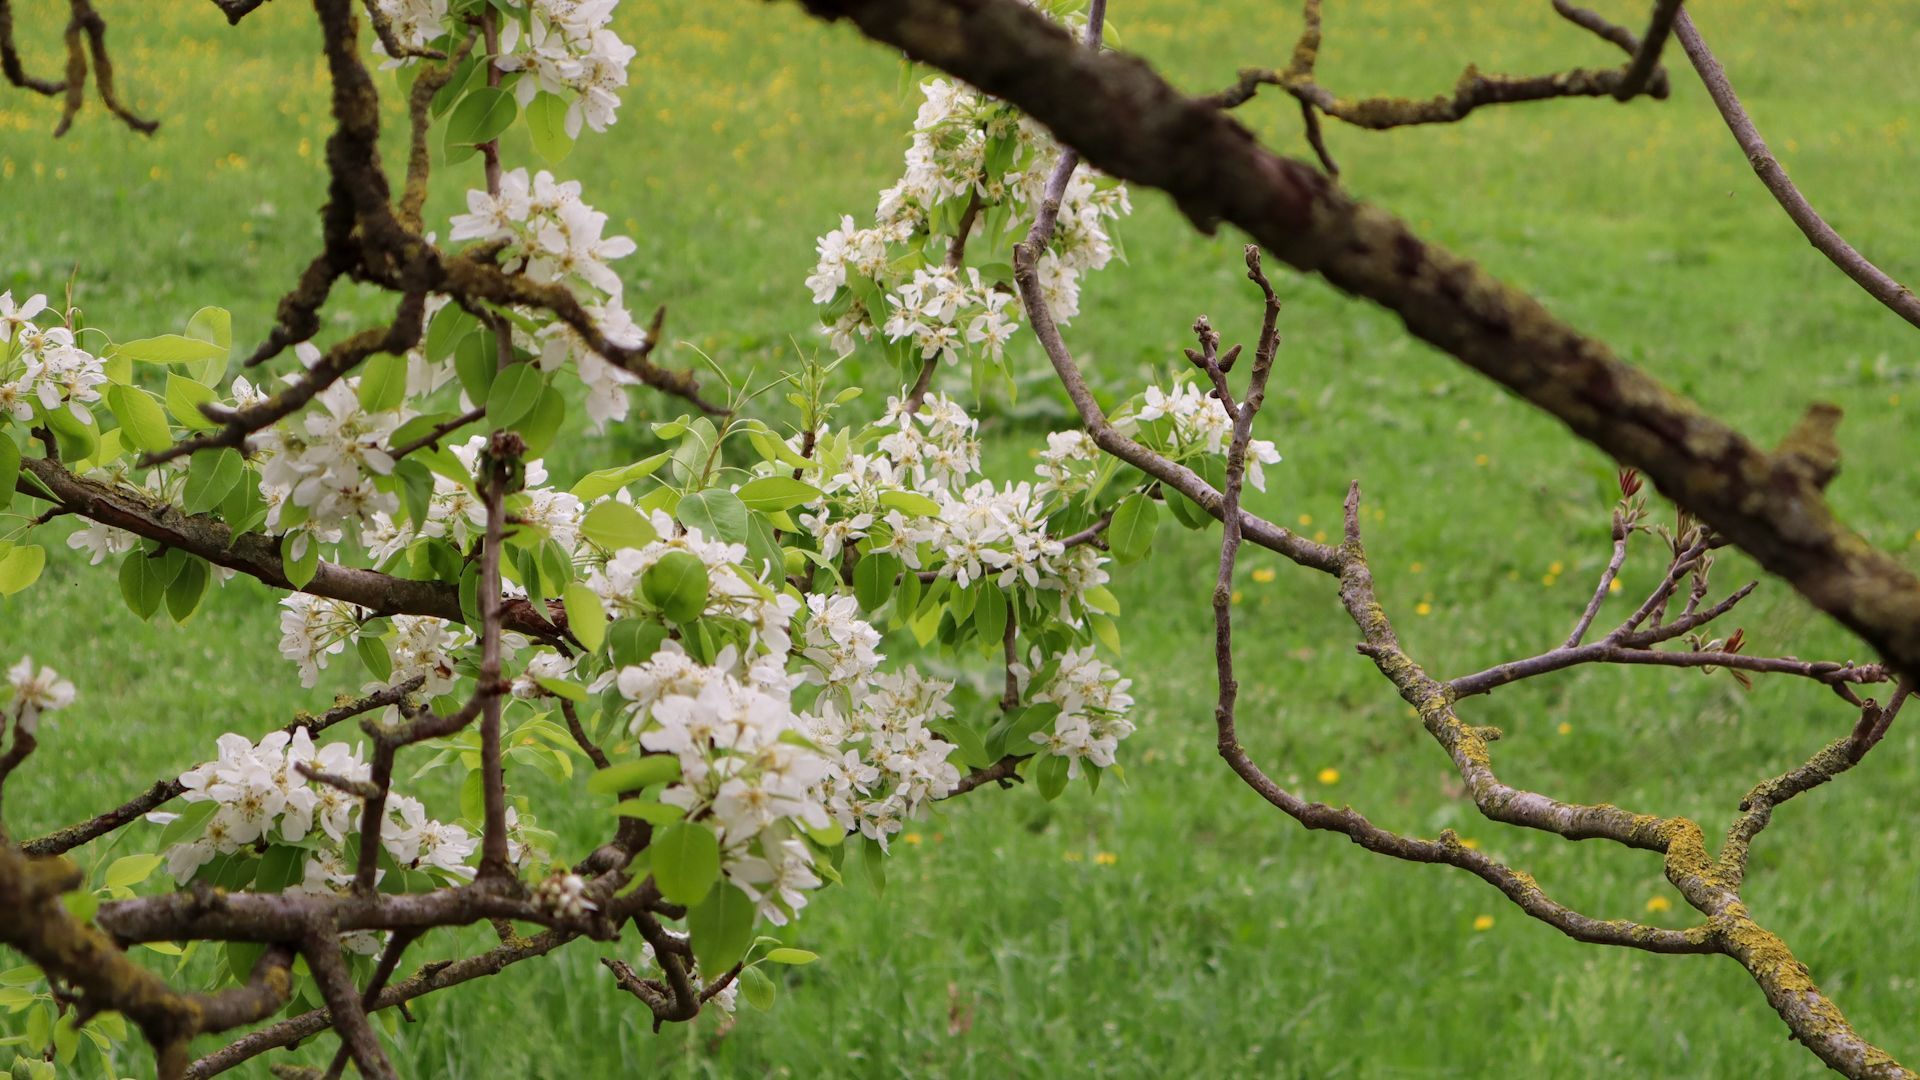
(547, 124)
(722, 929)
(241, 956)
(125, 873)
(910, 502)
(300, 571)
(634, 775)
(655, 813)
(873, 864)
(1050, 775)
(634, 641)
(21, 567)
(973, 749)
(213, 325)
(678, 585)
(757, 988)
(373, 653)
(607, 481)
(873, 578)
(169, 349)
(717, 514)
(450, 324)
(990, 614)
(211, 474)
(283, 865)
(476, 359)
(764, 554)
(184, 398)
(141, 584)
(1130, 535)
(796, 957)
(383, 382)
(686, 862)
(776, 493)
(9, 469)
(561, 688)
(615, 525)
(540, 427)
(187, 589)
(481, 116)
(514, 394)
(140, 417)
(188, 824)
(585, 617)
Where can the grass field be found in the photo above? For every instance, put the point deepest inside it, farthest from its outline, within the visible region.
(1179, 926)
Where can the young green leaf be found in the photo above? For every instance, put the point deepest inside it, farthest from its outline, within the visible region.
(211, 474)
(140, 418)
(383, 382)
(686, 862)
(678, 585)
(615, 525)
(776, 493)
(514, 394)
(585, 617)
(634, 775)
(719, 515)
(1131, 534)
(547, 124)
(721, 927)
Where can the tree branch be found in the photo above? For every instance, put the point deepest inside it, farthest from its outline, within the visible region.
(1896, 297)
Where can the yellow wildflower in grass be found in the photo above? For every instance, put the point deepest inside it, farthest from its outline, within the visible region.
(1423, 608)
(1306, 519)
(1565, 728)
(1105, 858)
(1418, 568)
(1329, 776)
(1659, 903)
(1236, 596)
(1264, 575)
(1481, 460)
(1555, 567)
(1614, 585)
(912, 838)
(1482, 923)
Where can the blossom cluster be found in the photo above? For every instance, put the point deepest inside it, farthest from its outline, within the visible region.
(895, 277)
(568, 45)
(262, 797)
(43, 365)
(729, 725)
(885, 761)
(1094, 703)
(552, 235)
(733, 592)
(980, 531)
(1200, 425)
(563, 47)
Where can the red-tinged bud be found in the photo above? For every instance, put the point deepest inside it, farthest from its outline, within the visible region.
(1629, 483)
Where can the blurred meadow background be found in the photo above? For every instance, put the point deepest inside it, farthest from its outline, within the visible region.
(1179, 925)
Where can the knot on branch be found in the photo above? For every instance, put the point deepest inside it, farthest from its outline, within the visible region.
(1811, 451)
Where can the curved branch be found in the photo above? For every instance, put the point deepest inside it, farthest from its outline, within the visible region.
(1897, 297)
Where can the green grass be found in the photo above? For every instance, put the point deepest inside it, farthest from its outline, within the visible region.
(1181, 925)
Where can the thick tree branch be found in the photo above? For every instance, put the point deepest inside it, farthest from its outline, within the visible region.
(258, 555)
